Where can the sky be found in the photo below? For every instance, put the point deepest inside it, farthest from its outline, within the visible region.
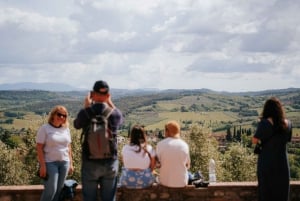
(222, 45)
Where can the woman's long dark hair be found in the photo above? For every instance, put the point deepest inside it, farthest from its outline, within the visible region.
(138, 137)
(274, 109)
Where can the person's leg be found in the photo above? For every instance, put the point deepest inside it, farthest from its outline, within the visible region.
(89, 180)
(50, 184)
(63, 168)
(108, 182)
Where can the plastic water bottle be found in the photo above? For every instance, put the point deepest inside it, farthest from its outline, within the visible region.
(212, 171)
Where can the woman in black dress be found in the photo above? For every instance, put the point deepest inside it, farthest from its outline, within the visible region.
(273, 132)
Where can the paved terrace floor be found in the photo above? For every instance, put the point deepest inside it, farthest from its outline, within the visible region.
(228, 191)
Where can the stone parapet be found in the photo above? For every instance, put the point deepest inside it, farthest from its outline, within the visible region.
(227, 191)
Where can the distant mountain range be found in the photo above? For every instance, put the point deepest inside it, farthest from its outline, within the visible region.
(47, 86)
(61, 87)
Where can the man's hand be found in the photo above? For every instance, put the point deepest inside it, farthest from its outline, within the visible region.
(88, 101)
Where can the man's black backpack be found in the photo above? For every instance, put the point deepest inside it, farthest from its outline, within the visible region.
(98, 142)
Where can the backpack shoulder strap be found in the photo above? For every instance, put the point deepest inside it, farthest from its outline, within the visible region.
(107, 111)
(90, 113)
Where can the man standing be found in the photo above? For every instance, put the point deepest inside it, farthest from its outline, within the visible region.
(103, 172)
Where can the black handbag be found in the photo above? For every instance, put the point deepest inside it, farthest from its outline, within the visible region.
(69, 190)
(197, 180)
(258, 148)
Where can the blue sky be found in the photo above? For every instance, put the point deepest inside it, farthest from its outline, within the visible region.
(223, 45)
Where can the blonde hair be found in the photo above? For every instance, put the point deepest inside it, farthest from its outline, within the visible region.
(173, 128)
(54, 111)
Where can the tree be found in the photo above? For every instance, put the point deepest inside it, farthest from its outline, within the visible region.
(76, 151)
(12, 170)
(194, 108)
(239, 163)
(203, 146)
(183, 109)
(4, 135)
(228, 135)
(238, 136)
(30, 159)
(234, 132)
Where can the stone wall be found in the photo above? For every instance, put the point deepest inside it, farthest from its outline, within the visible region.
(231, 191)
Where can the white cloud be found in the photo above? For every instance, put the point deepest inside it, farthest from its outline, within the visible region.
(112, 36)
(34, 22)
(221, 45)
(138, 7)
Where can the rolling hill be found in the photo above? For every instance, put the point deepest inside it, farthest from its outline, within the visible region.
(217, 110)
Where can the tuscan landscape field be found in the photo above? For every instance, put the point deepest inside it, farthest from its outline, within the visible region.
(221, 118)
(214, 109)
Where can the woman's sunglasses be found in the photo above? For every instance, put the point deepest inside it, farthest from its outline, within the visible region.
(61, 115)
